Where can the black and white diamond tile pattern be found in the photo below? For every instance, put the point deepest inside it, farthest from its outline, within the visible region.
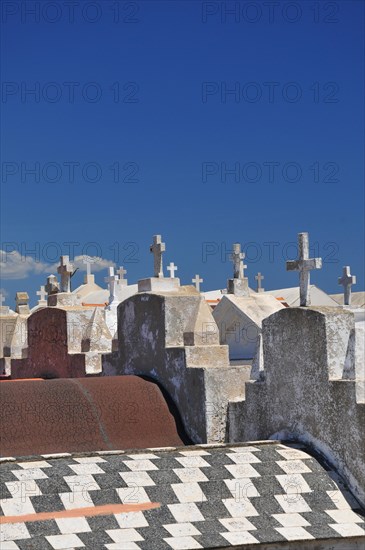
(211, 497)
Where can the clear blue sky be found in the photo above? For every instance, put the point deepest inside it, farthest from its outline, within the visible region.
(149, 93)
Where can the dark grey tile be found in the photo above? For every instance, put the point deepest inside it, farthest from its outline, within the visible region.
(47, 503)
(42, 528)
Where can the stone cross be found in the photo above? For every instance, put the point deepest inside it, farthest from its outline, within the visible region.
(65, 269)
(52, 286)
(304, 265)
(87, 260)
(237, 258)
(157, 248)
(112, 283)
(259, 278)
(172, 268)
(347, 280)
(42, 295)
(121, 272)
(197, 282)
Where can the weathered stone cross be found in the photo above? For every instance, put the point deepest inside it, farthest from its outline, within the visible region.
(347, 280)
(237, 258)
(42, 294)
(304, 265)
(65, 269)
(112, 283)
(172, 268)
(259, 278)
(157, 248)
(197, 282)
(121, 272)
(87, 260)
(52, 285)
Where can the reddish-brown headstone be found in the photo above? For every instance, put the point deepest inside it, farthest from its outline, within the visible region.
(47, 353)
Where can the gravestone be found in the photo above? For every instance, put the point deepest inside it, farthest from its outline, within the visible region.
(52, 286)
(172, 338)
(239, 284)
(304, 265)
(197, 280)
(309, 390)
(158, 283)
(47, 353)
(42, 302)
(259, 278)
(22, 303)
(89, 278)
(347, 280)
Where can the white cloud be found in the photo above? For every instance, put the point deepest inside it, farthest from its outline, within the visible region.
(14, 265)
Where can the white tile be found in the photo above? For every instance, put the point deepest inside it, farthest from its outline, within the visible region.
(244, 449)
(31, 473)
(236, 537)
(293, 466)
(239, 508)
(190, 474)
(8, 545)
(140, 465)
(344, 516)
(161, 449)
(293, 454)
(243, 458)
(193, 462)
(143, 456)
(123, 546)
(242, 488)
(342, 501)
(22, 489)
(124, 535)
(184, 513)
(61, 542)
(130, 520)
(237, 524)
(294, 533)
(182, 543)
(89, 460)
(13, 531)
(16, 506)
(73, 525)
(32, 465)
(293, 484)
(348, 529)
(291, 520)
(81, 483)
(242, 470)
(181, 529)
(56, 455)
(86, 469)
(195, 452)
(188, 492)
(140, 479)
(293, 504)
(74, 500)
(133, 495)
(110, 452)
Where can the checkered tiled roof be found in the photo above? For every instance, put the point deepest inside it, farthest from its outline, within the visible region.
(208, 497)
